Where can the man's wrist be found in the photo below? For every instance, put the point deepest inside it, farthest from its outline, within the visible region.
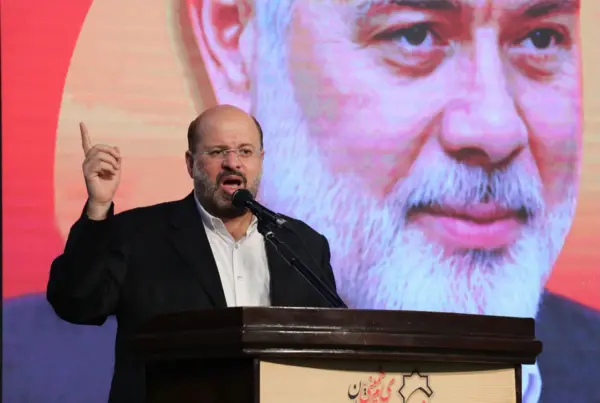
(97, 211)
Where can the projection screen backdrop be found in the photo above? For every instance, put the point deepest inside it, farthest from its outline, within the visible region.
(367, 108)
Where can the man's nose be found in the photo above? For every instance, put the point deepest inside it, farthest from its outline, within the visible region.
(483, 126)
(232, 160)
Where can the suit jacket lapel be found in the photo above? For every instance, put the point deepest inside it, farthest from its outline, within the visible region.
(188, 236)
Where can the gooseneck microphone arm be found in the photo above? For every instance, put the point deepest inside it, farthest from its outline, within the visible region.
(293, 260)
(267, 223)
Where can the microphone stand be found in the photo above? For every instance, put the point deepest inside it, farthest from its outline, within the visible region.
(265, 227)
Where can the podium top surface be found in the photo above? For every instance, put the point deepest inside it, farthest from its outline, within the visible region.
(338, 333)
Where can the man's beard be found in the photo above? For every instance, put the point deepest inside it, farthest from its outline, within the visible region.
(378, 261)
(214, 200)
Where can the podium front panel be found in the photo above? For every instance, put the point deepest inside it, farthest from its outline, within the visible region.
(327, 381)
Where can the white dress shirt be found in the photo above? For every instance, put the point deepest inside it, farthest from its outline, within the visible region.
(531, 383)
(242, 264)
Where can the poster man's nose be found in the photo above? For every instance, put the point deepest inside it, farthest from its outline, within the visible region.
(484, 125)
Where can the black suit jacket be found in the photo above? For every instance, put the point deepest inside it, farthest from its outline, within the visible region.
(156, 260)
(570, 359)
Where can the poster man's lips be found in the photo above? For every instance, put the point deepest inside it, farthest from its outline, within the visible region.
(481, 213)
(479, 226)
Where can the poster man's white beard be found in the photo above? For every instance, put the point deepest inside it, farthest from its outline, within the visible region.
(377, 261)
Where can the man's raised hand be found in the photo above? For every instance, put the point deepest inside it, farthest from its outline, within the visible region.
(102, 173)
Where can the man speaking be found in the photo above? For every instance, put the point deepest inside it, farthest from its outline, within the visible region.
(197, 253)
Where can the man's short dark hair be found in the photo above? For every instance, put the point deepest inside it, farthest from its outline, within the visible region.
(192, 134)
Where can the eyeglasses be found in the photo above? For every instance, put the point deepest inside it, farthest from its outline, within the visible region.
(240, 153)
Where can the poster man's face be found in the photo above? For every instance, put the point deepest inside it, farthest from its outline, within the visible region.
(435, 143)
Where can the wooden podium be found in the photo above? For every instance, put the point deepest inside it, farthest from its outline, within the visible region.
(291, 355)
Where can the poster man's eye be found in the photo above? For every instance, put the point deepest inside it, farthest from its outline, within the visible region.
(543, 38)
(417, 35)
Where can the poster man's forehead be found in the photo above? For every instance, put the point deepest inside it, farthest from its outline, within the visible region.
(528, 7)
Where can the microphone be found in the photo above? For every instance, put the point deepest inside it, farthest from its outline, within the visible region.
(242, 198)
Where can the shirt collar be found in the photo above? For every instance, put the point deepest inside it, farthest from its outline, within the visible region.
(216, 224)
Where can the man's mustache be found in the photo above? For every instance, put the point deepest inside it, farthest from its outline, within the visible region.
(461, 185)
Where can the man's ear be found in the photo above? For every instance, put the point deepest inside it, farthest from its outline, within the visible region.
(225, 35)
(189, 162)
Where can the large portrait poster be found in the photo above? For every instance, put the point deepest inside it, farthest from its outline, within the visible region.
(381, 118)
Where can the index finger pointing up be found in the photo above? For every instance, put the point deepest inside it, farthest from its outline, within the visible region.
(86, 143)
